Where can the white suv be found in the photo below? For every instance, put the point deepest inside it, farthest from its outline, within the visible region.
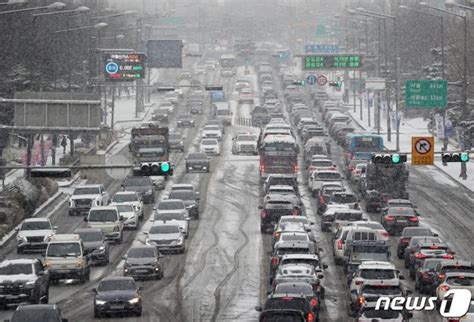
(34, 234)
(374, 273)
(210, 146)
(87, 196)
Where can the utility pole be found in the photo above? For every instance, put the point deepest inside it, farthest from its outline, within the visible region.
(139, 82)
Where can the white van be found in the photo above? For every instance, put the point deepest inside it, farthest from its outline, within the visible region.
(107, 219)
(222, 112)
(65, 258)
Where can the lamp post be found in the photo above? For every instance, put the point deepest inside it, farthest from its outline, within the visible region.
(363, 11)
(52, 6)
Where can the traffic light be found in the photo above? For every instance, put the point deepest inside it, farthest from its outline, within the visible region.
(213, 88)
(389, 158)
(146, 169)
(163, 89)
(455, 157)
(337, 84)
(51, 173)
(299, 83)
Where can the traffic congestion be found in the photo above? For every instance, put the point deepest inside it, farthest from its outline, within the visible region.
(252, 197)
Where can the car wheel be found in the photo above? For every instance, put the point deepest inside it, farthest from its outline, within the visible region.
(139, 312)
(97, 315)
(119, 241)
(45, 299)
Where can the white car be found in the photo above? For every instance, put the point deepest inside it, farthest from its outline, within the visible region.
(455, 280)
(212, 132)
(172, 97)
(34, 234)
(129, 214)
(200, 69)
(317, 178)
(129, 197)
(171, 205)
(166, 236)
(210, 147)
(373, 273)
(245, 143)
(87, 196)
(167, 106)
(177, 217)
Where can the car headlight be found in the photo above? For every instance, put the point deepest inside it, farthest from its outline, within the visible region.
(30, 283)
(79, 263)
(181, 143)
(149, 192)
(47, 264)
(71, 203)
(20, 238)
(134, 300)
(102, 248)
(179, 241)
(100, 302)
(205, 168)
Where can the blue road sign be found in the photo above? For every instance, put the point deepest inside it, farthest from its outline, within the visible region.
(311, 79)
(321, 49)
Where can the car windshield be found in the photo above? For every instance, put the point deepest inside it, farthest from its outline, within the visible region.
(348, 216)
(141, 252)
(211, 128)
(16, 268)
(321, 163)
(125, 208)
(431, 264)
(295, 237)
(281, 191)
(116, 285)
(209, 142)
(63, 250)
(292, 250)
(175, 137)
(86, 191)
(185, 117)
(136, 181)
(91, 236)
(460, 280)
(197, 156)
(102, 215)
(373, 225)
(170, 205)
(328, 176)
(168, 229)
(296, 219)
(182, 194)
(223, 112)
(129, 197)
(287, 302)
(411, 232)
(401, 211)
(169, 216)
(246, 138)
(373, 274)
(293, 288)
(343, 198)
(37, 314)
(35, 225)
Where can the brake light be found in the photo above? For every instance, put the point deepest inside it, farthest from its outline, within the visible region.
(420, 256)
(441, 277)
(359, 282)
(361, 300)
(321, 199)
(385, 234)
(264, 214)
(274, 261)
(444, 288)
(425, 275)
(296, 168)
(389, 218)
(314, 302)
(339, 244)
(448, 256)
(276, 234)
(262, 168)
(453, 320)
(404, 240)
(413, 219)
(310, 317)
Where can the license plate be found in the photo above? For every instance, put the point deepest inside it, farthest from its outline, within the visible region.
(117, 307)
(401, 220)
(141, 271)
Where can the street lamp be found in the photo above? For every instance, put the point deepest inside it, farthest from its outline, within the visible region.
(52, 6)
(13, 2)
(464, 17)
(81, 9)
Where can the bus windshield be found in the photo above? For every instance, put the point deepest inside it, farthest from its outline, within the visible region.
(367, 143)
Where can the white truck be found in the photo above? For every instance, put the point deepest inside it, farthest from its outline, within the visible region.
(85, 197)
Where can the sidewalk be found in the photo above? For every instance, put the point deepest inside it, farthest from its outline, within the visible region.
(409, 128)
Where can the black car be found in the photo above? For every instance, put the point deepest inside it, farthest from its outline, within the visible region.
(280, 179)
(297, 302)
(117, 295)
(95, 244)
(272, 212)
(197, 162)
(406, 236)
(23, 280)
(143, 186)
(425, 275)
(190, 199)
(176, 142)
(301, 288)
(185, 120)
(194, 106)
(143, 262)
(37, 312)
(160, 115)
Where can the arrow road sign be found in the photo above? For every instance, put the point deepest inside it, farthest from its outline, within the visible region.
(311, 79)
(423, 146)
(422, 150)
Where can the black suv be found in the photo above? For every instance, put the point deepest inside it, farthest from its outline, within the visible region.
(271, 213)
(197, 162)
(143, 262)
(23, 280)
(95, 244)
(117, 295)
(280, 179)
(297, 302)
(190, 199)
(185, 120)
(37, 312)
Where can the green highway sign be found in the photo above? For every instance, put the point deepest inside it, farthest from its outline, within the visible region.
(332, 61)
(426, 94)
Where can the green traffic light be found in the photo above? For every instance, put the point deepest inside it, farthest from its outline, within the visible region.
(395, 158)
(165, 167)
(464, 157)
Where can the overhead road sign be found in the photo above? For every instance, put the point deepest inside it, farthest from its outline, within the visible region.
(422, 149)
(165, 53)
(321, 48)
(332, 61)
(429, 94)
(375, 83)
(124, 66)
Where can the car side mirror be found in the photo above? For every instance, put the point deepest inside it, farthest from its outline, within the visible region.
(85, 219)
(258, 308)
(94, 290)
(41, 273)
(124, 258)
(160, 255)
(122, 218)
(17, 229)
(320, 276)
(268, 292)
(435, 235)
(408, 292)
(325, 266)
(55, 227)
(401, 277)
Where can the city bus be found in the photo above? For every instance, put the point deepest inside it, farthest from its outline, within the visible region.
(278, 155)
(361, 146)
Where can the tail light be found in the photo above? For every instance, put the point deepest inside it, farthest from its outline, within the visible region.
(359, 282)
(274, 261)
(264, 214)
(441, 277)
(339, 244)
(116, 228)
(321, 199)
(385, 234)
(444, 288)
(314, 302)
(389, 218)
(420, 256)
(413, 219)
(425, 275)
(276, 235)
(296, 168)
(453, 320)
(310, 317)
(448, 256)
(404, 240)
(361, 300)
(262, 168)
